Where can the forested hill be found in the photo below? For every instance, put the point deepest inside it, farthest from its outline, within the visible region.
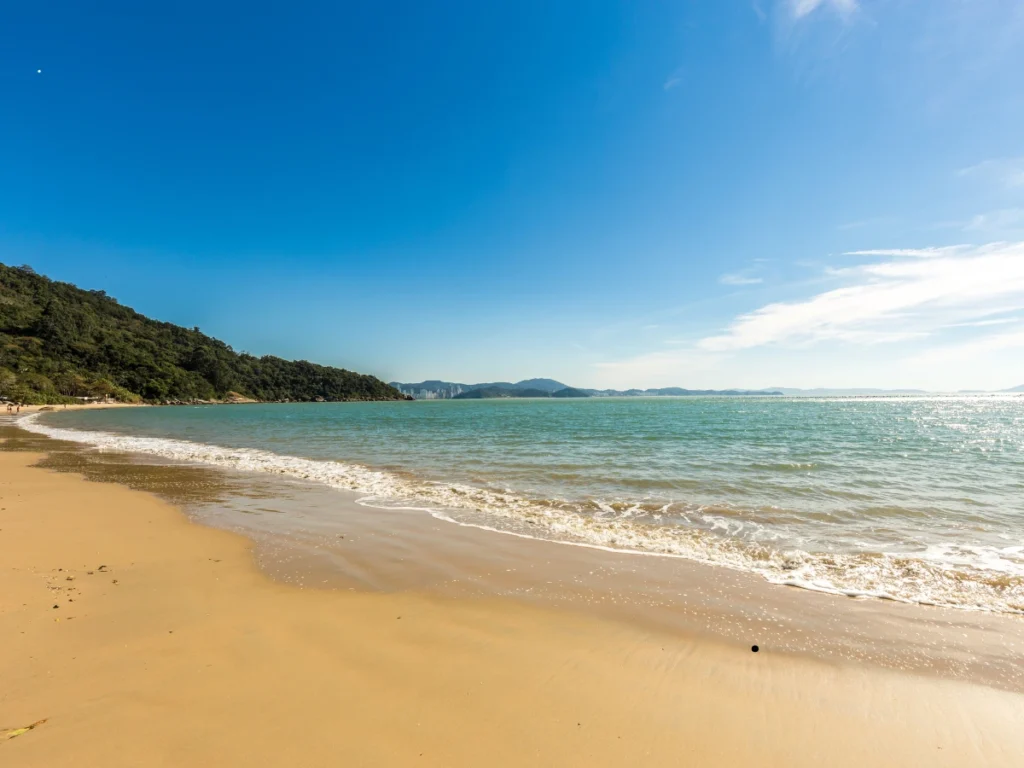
(58, 342)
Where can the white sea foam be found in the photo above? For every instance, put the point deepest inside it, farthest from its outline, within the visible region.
(965, 577)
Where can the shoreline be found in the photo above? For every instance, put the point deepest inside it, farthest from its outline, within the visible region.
(488, 513)
(304, 533)
(26, 409)
(181, 650)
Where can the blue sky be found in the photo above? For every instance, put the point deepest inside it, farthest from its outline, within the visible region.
(703, 194)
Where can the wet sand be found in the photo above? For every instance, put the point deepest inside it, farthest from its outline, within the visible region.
(169, 646)
(308, 534)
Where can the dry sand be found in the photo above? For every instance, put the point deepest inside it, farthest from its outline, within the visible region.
(22, 410)
(142, 639)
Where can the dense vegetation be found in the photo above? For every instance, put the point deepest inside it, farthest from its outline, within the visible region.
(59, 342)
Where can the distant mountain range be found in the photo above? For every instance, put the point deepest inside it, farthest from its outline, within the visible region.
(449, 390)
(483, 393)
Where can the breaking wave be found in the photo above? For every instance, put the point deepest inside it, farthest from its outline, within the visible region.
(982, 578)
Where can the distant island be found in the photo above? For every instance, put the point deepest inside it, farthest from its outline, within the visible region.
(435, 389)
(62, 344)
(483, 393)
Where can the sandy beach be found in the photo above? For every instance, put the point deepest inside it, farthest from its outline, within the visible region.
(133, 636)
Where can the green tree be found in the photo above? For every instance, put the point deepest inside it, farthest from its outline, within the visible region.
(155, 389)
(7, 382)
(70, 384)
(37, 382)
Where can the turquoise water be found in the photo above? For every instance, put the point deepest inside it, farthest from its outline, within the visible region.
(917, 499)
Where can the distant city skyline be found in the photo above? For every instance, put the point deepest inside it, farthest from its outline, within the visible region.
(812, 193)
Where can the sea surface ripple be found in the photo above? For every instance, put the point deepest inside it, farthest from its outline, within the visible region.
(913, 499)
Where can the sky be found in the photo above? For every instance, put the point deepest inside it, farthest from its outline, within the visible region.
(799, 193)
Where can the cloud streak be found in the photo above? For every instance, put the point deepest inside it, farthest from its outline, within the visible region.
(918, 253)
(739, 279)
(1007, 171)
(997, 221)
(799, 9)
(913, 294)
(971, 351)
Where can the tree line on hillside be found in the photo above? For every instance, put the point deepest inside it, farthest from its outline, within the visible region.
(59, 343)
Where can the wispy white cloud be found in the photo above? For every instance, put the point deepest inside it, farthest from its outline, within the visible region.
(675, 79)
(919, 253)
(976, 349)
(894, 300)
(896, 317)
(801, 8)
(985, 323)
(739, 278)
(997, 221)
(1008, 171)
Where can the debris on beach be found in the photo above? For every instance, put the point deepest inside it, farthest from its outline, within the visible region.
(10, 734)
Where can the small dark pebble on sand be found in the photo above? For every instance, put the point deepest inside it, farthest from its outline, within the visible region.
(754, 648)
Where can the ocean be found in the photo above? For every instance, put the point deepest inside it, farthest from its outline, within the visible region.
(915, 499)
